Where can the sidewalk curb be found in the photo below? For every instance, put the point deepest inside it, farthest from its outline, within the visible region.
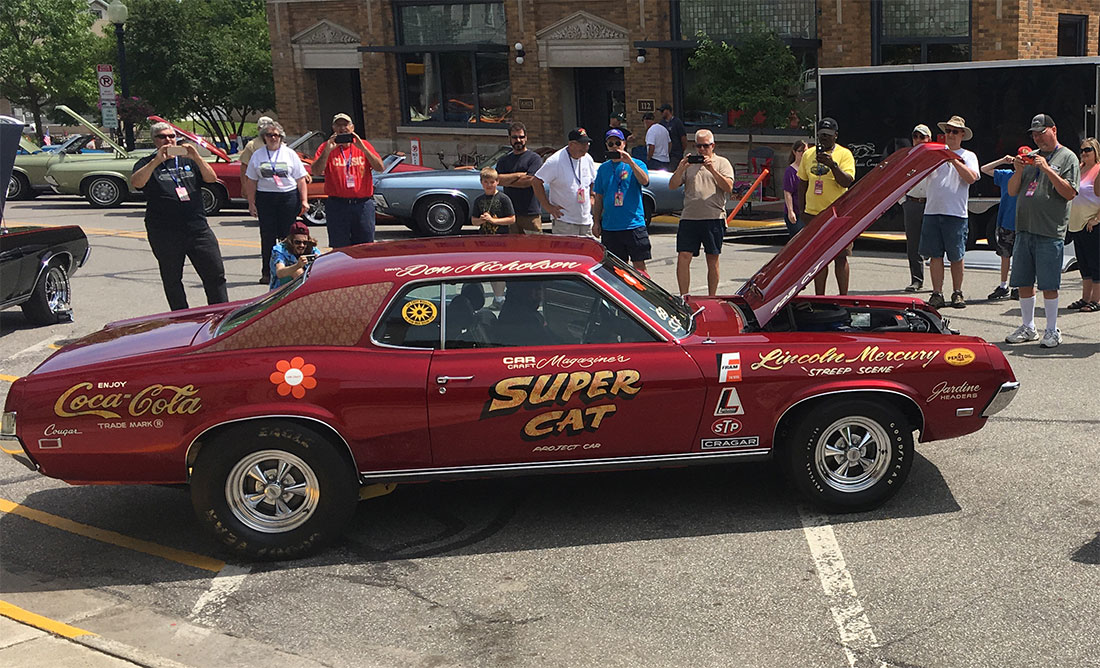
(123, 651)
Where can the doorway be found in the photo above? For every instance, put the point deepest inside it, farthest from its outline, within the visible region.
(339, 92)
(600, 92)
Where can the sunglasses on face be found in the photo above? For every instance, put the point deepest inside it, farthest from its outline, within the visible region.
(164, 136)
(954, 131)
(514, 137)
(614, 143)
(273, 136)
(1086, 149)
(298, 242)
(702, 146)
(917, 135)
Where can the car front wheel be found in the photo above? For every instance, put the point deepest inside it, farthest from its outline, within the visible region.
(315, 214)
(273, 490)
(851, 455)
(439, 216)
(213, 198)
(50, 301)
(104, 192)
(19, 187)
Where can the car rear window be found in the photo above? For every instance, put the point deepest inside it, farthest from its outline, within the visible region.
(255, 308)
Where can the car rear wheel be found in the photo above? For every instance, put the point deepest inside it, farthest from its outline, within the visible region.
(19, 187)
(273, 490)
(315, 214)
(850, 455)
(214, 198)
(50, 301)
(104, 192)
(439, 216)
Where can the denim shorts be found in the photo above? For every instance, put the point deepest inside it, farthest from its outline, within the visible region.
(1036, 261)
(940, 235)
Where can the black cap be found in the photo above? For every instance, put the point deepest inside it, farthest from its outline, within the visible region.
(665, 106)
(1040, 122)
(647, 116)
(579, 134)
(827, 125)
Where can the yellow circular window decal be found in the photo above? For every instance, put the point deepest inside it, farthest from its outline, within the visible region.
(419, 312)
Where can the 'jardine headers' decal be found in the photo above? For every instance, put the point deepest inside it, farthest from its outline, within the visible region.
(536, 392)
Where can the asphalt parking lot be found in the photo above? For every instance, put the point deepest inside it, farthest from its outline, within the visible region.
(989, 556)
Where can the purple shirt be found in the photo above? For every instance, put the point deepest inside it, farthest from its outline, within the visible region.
(790, 185)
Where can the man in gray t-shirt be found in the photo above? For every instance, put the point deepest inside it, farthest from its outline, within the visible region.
(1044, 184)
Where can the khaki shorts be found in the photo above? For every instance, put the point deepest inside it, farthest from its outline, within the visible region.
(562, 228)
(527, 224)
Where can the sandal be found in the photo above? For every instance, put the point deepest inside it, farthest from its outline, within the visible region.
(1077, 305)
(1091, 307)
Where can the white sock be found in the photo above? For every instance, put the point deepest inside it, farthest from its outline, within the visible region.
(1051, 306)
(1004, 284)
(1027, 311)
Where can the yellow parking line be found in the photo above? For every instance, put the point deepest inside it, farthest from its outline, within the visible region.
(39, 622)
(10, 379)
(113, 538)
(138, 234)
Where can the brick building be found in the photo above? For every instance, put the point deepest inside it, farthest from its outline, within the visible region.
(452, 74)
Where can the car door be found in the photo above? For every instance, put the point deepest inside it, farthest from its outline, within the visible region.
(556, 370)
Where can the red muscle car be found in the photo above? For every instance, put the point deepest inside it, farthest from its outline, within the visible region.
(387, 363)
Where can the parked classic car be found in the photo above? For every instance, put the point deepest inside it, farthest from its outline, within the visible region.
(438, 203)
(35, 266)
(28, 179)
(382, 364)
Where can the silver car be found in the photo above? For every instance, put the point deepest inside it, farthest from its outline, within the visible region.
(437, 203)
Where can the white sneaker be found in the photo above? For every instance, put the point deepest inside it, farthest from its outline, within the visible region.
(1051, 338)
(1023, 333)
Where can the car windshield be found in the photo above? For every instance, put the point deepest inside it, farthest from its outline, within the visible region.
(255, 308)
(670, 312)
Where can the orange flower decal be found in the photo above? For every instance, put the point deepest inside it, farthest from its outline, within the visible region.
(294, 377)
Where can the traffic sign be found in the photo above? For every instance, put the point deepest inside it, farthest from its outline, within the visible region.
(105, 77)
(110, 114)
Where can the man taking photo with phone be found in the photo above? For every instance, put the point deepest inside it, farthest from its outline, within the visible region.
(708, 181)
(618, 212)
(175, 220)
(346, 161)
(826, 172)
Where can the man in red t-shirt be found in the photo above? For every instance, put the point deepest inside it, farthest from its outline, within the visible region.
(346, 161)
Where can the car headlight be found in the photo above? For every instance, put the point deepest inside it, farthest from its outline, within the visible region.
(380, 200)
(7, 424)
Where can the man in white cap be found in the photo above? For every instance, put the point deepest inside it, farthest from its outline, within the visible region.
(347, 160)
(912, 210)
(945, 222)
(1043, 186)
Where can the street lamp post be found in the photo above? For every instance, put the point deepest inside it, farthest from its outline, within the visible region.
(117, 13)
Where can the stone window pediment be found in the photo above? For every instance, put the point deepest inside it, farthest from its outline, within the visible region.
(583, 40)
(326, 32)
(582, 26)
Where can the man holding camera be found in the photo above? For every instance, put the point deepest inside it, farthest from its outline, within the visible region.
(708, 181)
(349, 185)
(175, 220)
(618, 212)
(830, 169)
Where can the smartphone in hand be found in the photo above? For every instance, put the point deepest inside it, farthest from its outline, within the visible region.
(176, 150)
(346, 138)
(695, 159)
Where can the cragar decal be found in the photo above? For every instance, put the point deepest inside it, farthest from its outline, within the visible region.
(532, 392)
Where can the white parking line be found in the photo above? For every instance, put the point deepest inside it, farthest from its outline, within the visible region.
(856, 635)
(227, 581)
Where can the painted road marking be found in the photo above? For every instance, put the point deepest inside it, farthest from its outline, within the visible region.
(137, 234)
(9, 379)
(39, 622)
(170, 553)
(213, 600)
(856, 635)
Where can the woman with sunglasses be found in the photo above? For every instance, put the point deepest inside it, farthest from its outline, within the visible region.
(790, 186)
(275, 186)
(290, 256)
(1084, 229)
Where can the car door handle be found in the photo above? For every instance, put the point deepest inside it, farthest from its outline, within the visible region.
(442, 380)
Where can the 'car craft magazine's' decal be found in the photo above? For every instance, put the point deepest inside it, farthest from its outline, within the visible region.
(293, 377)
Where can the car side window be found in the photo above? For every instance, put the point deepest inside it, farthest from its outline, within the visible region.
(412, 320)
(535, 312)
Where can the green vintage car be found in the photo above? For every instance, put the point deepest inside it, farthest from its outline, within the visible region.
(28, 178)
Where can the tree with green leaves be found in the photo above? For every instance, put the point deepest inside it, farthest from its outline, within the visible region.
(210, 59)
(756, 77)
(47, 53)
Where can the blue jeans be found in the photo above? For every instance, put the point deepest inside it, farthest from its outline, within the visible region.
(1036, 260)
(940, 235)
(349, 221)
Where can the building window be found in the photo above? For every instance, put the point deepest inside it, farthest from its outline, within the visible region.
(920, 31)
(460, 75)
(1072, 29)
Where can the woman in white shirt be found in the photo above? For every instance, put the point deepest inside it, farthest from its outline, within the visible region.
(275, 186)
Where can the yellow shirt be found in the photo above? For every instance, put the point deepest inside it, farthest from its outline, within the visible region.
(830, 190)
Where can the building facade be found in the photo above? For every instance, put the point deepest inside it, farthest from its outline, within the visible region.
(452, 75)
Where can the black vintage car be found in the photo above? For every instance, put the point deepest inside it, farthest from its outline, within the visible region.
(35, 265)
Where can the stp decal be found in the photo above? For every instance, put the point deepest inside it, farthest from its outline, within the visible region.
(729, 403)
(726, 426)
(729, 368)
(293, 377)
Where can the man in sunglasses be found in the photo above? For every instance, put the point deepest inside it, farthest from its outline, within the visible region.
(174, 217)
(825, 173)
(945, 223)
(516, 174)
(618, 212)
(708, 182)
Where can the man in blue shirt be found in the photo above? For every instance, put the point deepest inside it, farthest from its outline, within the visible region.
(1005, 235)
(618, 212)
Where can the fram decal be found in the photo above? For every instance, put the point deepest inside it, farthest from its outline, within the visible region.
(153, 400)
(729, 403)
(726, 426)
(959, 356)
(722, 443)
(729, 367)
(948, 392)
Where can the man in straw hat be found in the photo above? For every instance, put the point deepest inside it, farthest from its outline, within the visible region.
(944, 226)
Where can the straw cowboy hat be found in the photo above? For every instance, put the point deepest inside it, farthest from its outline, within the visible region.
(957, 122)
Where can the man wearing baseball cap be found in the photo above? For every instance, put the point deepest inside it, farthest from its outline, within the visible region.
(568, 175)
(1043, 191)
(825, 173)
(349, 185)
(912, 210)
(617, 211)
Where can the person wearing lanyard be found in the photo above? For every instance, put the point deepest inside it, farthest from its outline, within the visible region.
(618, 213)
(275, 186)
(175, 220)
(349, 186)
(568, 174)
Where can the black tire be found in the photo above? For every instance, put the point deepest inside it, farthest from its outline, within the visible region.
(866, 470)
(315, 515)
(315, 214)
(50, 301)
(105, 192)
(439, 216)
(214, 198)
(19, 187)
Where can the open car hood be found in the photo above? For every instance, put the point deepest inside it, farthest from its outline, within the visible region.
(94, 130)
(193, 137)
(778, 281)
